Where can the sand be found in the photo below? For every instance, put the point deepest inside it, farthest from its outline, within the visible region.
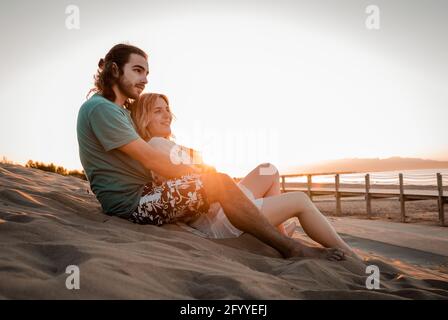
(49, 222)
(417, 211)
(420, 211)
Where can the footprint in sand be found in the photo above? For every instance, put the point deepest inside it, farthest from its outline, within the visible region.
(19, 218)
(52, 259)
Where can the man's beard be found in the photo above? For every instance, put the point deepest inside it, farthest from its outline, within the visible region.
(126, 88)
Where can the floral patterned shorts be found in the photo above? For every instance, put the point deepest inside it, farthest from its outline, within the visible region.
(169, 201)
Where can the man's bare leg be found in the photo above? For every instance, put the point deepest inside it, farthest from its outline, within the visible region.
(264, 181)
(244, 215)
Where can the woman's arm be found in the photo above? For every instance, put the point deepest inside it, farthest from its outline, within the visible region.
(158, 161)
(180, 155)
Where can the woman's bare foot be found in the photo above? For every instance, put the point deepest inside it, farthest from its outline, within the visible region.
(287, 229)
(290, 228)
(301, 250)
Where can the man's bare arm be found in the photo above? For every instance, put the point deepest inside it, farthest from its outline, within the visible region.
(155, 160)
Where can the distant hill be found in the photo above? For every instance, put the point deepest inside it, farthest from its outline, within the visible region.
(363, 165)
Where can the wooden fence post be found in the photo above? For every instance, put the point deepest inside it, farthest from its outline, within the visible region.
(402, 198)
(309, 178)
(337, 195)
(368, 198)
(440, 200)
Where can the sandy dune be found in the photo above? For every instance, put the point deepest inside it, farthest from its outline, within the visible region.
(48, 222)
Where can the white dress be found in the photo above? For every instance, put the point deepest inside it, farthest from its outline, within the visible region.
(215, 224)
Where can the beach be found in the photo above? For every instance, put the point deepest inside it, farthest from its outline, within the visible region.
(419, 211)
(424, 211)
(49, 222)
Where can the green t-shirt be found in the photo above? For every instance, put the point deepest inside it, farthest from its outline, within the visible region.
(116, 179)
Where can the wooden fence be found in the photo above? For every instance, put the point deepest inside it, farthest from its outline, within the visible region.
(369, 192)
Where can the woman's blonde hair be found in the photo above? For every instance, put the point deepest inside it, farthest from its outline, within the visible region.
(141, 113)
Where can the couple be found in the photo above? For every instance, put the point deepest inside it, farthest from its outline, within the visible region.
(124, 147)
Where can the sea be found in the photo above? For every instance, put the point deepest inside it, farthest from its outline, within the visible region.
(420, 177)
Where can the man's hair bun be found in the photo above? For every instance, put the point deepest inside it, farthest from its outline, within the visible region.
(101, 63)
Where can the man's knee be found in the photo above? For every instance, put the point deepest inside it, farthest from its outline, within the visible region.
(216, 184)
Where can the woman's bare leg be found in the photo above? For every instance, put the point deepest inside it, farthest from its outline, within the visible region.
(297, 204)
(244, 215)
(259, 182)
(263, 182)
(275, 190)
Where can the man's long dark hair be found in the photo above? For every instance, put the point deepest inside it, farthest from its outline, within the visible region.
(105, 78)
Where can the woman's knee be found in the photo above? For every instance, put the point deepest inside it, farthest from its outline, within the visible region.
(302, 199)
(301, 195)
(267, 168)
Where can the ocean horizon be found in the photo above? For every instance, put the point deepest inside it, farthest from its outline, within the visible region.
(421, 177)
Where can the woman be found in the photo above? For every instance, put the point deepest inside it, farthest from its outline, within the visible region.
(152, 116)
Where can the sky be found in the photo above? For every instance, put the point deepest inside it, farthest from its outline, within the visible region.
(286, 82)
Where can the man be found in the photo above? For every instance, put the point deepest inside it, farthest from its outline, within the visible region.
(118, 164)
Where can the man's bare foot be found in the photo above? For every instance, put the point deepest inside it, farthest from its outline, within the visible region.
(353, 254)
(332, 254)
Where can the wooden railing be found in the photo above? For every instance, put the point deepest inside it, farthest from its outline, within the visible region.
(368, 192)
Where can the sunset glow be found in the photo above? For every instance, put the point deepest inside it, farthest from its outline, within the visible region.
(285, 84)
